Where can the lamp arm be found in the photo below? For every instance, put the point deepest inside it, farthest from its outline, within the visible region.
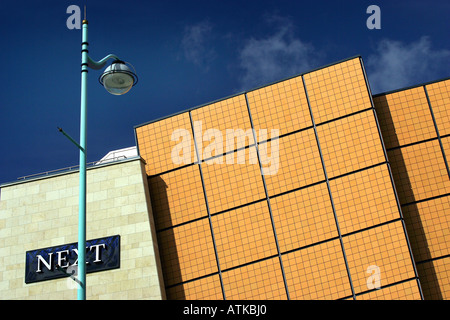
(97, 65)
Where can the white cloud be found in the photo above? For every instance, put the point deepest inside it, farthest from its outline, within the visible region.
(275, 57)
(395, 65)
(196, 44)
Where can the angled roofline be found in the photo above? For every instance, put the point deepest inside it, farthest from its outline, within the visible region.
(410, 87)
(245, 91)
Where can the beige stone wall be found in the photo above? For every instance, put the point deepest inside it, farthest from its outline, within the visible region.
(44, 213)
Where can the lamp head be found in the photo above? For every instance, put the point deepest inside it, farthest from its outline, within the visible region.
(118, 78)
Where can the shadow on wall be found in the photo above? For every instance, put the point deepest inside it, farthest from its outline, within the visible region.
(419, 246)
(411, 214)
(166, 238)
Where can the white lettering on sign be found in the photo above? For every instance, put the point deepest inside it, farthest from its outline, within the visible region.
(97, 251)
(62, 258)
(40, 259)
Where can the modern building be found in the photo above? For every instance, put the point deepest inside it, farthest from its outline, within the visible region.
(42, 213)
(415, 123)
(307, 188)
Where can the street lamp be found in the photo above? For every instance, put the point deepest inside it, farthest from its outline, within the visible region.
(117, 79)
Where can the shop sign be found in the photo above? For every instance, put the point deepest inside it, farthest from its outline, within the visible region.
(54, 262)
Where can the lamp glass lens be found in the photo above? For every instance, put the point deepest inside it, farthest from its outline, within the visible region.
(118, 83)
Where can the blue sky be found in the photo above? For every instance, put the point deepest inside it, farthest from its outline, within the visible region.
(188, 53)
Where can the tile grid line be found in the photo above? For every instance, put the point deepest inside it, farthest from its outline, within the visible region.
(437, 130)
(263, 141)
(268, 199)
(445, 256)
(439, 138)
(207, 208)
(274, 196)
(329, 191)
(405, 232)
(386, 286)
(426, 199)
(319, 146)
(274, 138)
(302, 248)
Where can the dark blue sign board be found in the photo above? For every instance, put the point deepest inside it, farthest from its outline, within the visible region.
(52, 263)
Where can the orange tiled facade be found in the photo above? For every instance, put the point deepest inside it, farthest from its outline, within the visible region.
(415, 126)
(309, 188)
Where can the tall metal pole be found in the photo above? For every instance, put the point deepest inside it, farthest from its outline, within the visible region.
(82, 195)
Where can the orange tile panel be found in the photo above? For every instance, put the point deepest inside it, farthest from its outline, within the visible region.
(364, 199)
(419, 171)
(207, 288)
(404, 117)
(187, 252)
(281, 106)
(177, 197)
(299, 162)
(435, 279)
(303, 217)
(317, 272)
(428, 225)
(166, 144)
(446, 146)
(244, 235)
(408, 290)
(439, 95)
(382, 249)
(231, 184)
(350, 144)
(257, 281)
(337, 90)
(222, 126)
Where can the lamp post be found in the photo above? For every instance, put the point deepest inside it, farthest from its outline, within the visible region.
(117, 79)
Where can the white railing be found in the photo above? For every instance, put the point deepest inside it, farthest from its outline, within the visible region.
(71, 168)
